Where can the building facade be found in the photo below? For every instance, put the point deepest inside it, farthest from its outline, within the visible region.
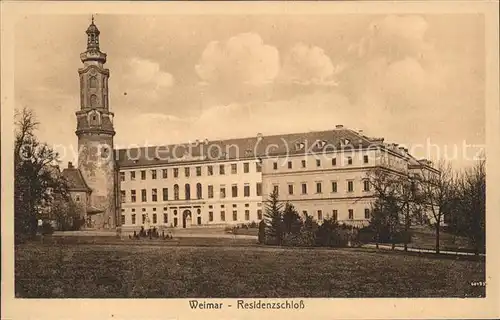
(222, 182)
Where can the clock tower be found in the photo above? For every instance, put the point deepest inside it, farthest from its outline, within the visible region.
(95, 133)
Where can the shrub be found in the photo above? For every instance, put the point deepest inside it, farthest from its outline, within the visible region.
(330, 234)
(47, 228)
(305, 238)
(262, 231)
(253, 225)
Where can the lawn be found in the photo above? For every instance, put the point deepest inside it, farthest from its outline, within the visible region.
(163, 271)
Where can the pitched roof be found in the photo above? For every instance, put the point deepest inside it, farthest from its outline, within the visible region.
(75, 180)
(251, 147)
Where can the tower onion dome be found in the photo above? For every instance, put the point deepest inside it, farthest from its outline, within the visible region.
(92, 28)
(93, 52)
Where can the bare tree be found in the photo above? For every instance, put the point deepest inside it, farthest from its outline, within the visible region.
(394, 195)
(34, 174)
(436, 190)
(470, 209)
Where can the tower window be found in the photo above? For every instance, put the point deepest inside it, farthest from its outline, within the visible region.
(93, 82)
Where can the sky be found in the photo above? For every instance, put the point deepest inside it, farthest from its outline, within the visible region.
(416, 80)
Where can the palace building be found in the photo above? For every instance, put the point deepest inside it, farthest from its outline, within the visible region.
(222, 182)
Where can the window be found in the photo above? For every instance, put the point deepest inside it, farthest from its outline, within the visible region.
(258, 189)
(165, 194)
(222, 192)
(349, 160)
(122, 221)
(276, 189)
(351, 214)
(350, 186)
(247, 215)
(234, 191)
(275, 165)
(176, 172)
(132, 175)
(258, 167)
(187, 172)
(154, 218)
(235, 215)
(334, 161)
(122, 196)
(154, 195)
(77, 198)
(365, 159)
(318, 187)
(210, 170)
(290, 189)
(176, 192)
(334, 186)
(304, 188)
(122, 176)
(222, 170)
(210, 216)
(234, 168)
(164, 173)
(246, 167)
(143, 218)
(210, 191)
(335, 215)
(143, 195)
(367, 213)
(246, 190)
(223, 216)
(143, 174)
(153, 174)
(133, 219)
(318, 163)
(366, 185)
(289, 164)
(303, 163)
(132, 196)
(187, 191)
(198, 171)
(199, 194)
(165, 218)
(259, 214)
(320, 215)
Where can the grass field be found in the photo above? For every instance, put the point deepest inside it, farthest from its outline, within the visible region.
(163, 271)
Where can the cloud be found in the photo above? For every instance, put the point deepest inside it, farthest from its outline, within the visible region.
(243, 58)
(394, 37)
(140, 80)
(148, 73)
(308, 65)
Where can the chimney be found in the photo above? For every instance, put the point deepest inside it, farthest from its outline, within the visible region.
(339, 126)
(259, 136)
(360, 132)
(70, 165)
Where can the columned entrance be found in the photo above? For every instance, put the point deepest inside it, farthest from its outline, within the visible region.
(186, 218)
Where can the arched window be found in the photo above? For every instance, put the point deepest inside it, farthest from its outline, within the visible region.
(176, 192)
(93, 82)
(187, 190)
(198, 191)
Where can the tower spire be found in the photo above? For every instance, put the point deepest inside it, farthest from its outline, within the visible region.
(93, 52)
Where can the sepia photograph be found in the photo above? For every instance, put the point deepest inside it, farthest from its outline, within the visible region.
(248, 156)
